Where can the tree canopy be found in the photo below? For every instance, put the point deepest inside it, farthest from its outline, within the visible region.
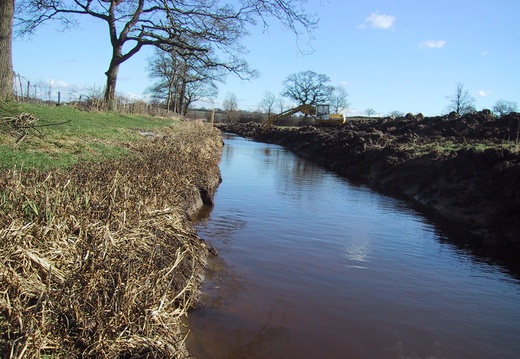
(207, 30)
(339, 99)
(268, 102)
(504, 107)
(180, 80)
(461, 101)
(307, 88)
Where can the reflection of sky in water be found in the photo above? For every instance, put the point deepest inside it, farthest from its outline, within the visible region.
(358, 249)
(288, 230)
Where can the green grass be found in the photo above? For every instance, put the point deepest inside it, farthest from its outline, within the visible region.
(87, 136)
(449, 146)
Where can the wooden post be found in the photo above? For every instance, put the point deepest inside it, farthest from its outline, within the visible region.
(21, 89)
(213, 117)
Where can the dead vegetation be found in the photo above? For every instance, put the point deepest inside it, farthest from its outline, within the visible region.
(19, 126)
(101, 260)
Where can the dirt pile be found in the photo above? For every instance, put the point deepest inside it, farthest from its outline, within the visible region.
(102, 260)
(463, 169)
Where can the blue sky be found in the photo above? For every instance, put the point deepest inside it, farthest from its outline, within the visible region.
(404, 55)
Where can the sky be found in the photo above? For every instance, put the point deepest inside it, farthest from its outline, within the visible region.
(389, 55)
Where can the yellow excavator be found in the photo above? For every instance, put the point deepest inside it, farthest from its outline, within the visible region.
(325, 118)
(320, 113)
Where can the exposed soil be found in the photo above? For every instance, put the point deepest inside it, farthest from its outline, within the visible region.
(464, 171)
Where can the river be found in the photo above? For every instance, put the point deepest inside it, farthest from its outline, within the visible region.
(313, 266)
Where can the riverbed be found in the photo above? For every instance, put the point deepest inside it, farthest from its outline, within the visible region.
(313, 266)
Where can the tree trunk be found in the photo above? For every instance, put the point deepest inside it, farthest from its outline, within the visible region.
(182, 96)
(6, 53)
(110, 90)
(169, 101)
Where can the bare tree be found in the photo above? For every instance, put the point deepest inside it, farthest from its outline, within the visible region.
(461, 101)
(307, 88)
(196, 26)
(181, 80)
(339, 100)
(268, 102)
(396, 114)
(370, 112)
(504, 107)
(280, 103)
(230, 105)
(197, 91)
(6, 53)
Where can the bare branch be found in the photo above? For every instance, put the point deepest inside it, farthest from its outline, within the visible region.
(206, 30)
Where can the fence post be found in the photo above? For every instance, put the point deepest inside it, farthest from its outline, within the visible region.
(15, 88)
(21, 88)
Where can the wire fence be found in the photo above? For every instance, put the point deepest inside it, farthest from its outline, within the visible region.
(86, 98)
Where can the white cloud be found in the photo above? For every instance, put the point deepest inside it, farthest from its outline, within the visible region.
(483, 93)
(59, 84)
(484, 53)
(432, 44)
(353, 112)
(379, 21)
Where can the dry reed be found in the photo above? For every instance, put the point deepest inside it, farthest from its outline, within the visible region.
(102, 261)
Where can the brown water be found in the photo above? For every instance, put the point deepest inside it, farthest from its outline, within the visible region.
(311, 266)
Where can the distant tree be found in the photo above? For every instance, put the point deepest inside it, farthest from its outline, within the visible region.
(268, 102)
(339, 100)
(230, 105)
(370, 112)
(503, 107)
(280, 103)
(396, 114)
(6, 53)
(181, 79)
(196, 91)
(196, 26)
(461, 101)
(248, 116)
(307, 88)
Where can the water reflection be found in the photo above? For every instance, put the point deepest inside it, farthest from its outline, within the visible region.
(358, 248)
(313, 267)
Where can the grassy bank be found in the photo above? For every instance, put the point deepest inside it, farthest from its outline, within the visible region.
(98, 257)
(63, 136)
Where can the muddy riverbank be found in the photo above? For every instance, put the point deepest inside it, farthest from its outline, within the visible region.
(465, 171)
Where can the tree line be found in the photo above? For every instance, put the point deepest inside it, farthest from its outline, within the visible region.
(203, 37)
(461, 102)
(197, 43)
(311, 88)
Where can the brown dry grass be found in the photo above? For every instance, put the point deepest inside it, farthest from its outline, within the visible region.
(101, 260)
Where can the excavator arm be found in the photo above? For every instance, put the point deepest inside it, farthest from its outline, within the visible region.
(307, 109)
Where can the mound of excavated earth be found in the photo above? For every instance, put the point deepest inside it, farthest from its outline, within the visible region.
(463, 170)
